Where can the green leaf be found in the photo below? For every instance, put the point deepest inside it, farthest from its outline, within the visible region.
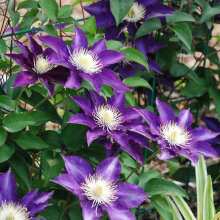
(73, 136)
(136, 81)
(179, 16)
(173, 165)
(52, 165)
(120, 9)
(208, 205)
(130, 99)
(162, 206)
(6, 103)
(3, 47)
(50, 29)
(209, 12)
(78, 2)
(19, 164)
(184, 33)
(136, 56)
(39, 117)
(52, 138)
(29, 141)
(184, 208)
(148, 26)
(175, 212)
(13, 93)
(215, 94)
(28, 4)
(17, 121)
(90, 26)
(128, 161)
(65, 11)
(50, 7)
(15, 16)
(146, 176)
(201, 178)
(113, 45)
(3, 136)
(28, 19)
(6, 152)
(163, 187)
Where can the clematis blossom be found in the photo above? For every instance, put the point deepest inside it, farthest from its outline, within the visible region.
(112, 124)
(13, 208)
(100, 191)
(36, 63)
(140, 11)
(89, 63)
(175, 135)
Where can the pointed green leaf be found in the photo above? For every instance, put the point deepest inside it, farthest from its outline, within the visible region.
(50, 7)
(136, 81)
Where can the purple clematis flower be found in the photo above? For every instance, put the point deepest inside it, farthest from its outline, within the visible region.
(175, 135)
(111, 123)
(13, 208)
(36, 63)
(139, 12)
(214, 125)
(147, 46)
(100, 191)
(85, 62)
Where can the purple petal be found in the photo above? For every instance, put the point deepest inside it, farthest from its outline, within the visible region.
(82, 119)
(109, 57)
(129, 114)
(25, 78)
(130, 195)
(74, 81)
(203, 148)
(110, 168)
(49, 86)
(80, 39)
(212, 123)
(56, 44)
(8, 187)
(202, 134)
(117, 100)
(78, 168)
(109, 78)
(20, 60)
(36, 48)
(92, 135)
(119, 214)
(84, 104)
(185, 119)
(25, 51)
(165, 111)
(90, 213)
(99, 46)
(96, 99)
(153, 66)
(166, 154)
(68, 182)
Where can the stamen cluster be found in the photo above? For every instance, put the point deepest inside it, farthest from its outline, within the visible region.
(100, 190)
(85, 60)
(107, 116)
(175, 135)
(42, 65)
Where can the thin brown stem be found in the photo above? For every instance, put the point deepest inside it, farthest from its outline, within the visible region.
(83, 13)
(60, 22)
(6, 10)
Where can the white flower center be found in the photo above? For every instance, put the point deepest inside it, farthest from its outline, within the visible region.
(42, 65)
(100, 190)
(136, 13)
(13, 211)
(175, 134)
(85, 60)
(107, 116)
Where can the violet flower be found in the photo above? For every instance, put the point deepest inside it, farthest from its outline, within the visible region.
(110, 122)
(85, 62)
(13, 208)
(175, 135)
(100, 191)
(147, 46)
(139, 12)
(36, 63)
(214, 125)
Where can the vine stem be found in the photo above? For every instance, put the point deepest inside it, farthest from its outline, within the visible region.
(145, 161)
(67, 207)
(18, 99)
(84, 20)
